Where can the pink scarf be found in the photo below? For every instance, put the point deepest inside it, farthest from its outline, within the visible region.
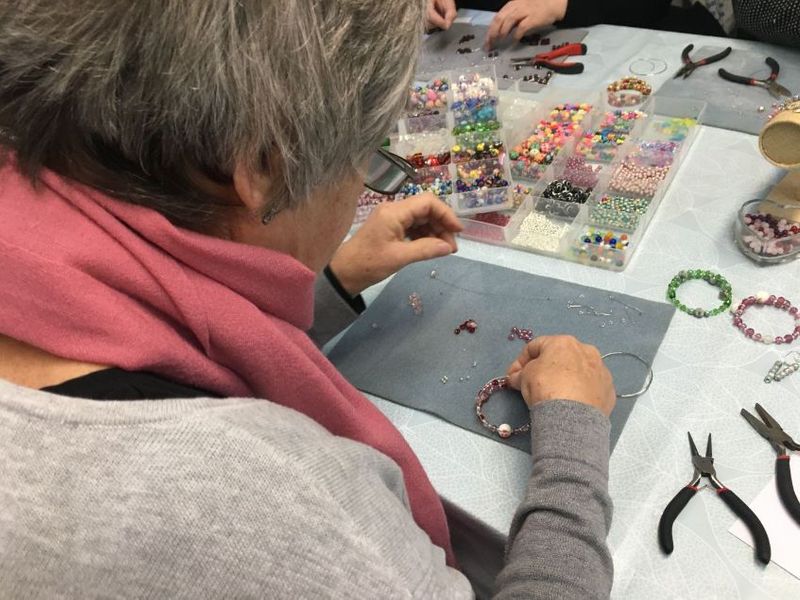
(94, 279)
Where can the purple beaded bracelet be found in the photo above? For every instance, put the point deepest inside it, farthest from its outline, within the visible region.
(763, 298)
(505, 430)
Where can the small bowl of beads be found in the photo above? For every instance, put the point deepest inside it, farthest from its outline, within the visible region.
(768, 232)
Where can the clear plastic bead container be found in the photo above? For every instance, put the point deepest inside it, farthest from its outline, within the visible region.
(429, 98)
(768, 232)
(432, 143)
(471, 193)
(532, 145)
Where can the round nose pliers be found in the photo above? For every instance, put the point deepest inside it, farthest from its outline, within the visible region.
(704, 467)
(771, 430)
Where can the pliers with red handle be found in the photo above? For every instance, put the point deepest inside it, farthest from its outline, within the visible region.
(704, 467)
(780, 440)
(547, 59)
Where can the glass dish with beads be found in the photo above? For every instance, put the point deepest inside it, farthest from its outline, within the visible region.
(768, 232)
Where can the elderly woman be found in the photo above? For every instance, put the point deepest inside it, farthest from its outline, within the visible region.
(177, 178)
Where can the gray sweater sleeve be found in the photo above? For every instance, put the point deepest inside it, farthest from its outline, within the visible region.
(557, 543)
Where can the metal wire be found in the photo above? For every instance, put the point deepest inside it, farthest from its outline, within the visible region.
(648, 381)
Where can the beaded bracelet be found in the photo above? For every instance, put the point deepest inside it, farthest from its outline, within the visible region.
(505, 430)
(631, 83)
(725, 294)
(764, 299)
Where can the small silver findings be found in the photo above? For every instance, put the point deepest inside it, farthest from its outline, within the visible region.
(773, 371)
(628, 306)
(434, 274)
(443, 379)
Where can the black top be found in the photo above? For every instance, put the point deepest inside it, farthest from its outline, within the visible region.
(652, 14)
(117, 384)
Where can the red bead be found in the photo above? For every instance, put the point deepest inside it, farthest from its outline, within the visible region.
(788, 339)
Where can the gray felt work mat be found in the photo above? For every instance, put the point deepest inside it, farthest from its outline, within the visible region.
(401, 356)
(441, 52)
(731, 105)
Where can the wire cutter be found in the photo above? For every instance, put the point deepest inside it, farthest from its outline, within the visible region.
(780, 440)
(547, 59)
(689, 66)
(704, 467)
(770, 83)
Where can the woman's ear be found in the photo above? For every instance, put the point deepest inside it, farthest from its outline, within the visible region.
(251, 187)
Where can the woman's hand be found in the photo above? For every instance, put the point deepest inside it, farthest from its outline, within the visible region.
(562, 368)
(522, 16)
(441, 13)
(396, 234)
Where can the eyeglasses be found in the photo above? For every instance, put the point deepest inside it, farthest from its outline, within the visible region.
(387, 172)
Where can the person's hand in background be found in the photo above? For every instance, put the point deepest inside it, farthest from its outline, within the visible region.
(523, 15)
(562, 368)
(396, 234)
(441, 13)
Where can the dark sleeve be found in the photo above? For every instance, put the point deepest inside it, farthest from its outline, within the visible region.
(557, 543)
(775, 21)
(334, 308)
(633, 13)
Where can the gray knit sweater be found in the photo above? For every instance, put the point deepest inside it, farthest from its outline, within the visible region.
(238, 498)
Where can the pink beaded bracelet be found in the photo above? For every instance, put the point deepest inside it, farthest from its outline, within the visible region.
(505, 430)
(763, 298)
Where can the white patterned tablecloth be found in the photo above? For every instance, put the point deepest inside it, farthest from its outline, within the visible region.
(705, 373)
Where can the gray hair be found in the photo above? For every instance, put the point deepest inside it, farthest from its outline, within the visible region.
(138, 97)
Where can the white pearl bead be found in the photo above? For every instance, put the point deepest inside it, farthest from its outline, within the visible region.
(504, 430)
(762, 297)
(767, 339)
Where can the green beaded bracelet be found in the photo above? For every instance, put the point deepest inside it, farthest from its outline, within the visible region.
(725, 293)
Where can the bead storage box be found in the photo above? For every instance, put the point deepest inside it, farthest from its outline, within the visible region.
(453, 136)
(603, 227)
(537, 137)
(556, 200)
(609, 131)
(610, 227)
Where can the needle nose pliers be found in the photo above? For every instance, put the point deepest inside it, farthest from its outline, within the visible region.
(771, 430)
(771, 84)
(689, 66)
(704, 467)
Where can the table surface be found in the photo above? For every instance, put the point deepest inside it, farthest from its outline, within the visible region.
(705, 371)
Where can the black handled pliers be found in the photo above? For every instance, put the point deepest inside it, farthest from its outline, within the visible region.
(770, 83)
(704, 467)
(689, 66)
(780, 440)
